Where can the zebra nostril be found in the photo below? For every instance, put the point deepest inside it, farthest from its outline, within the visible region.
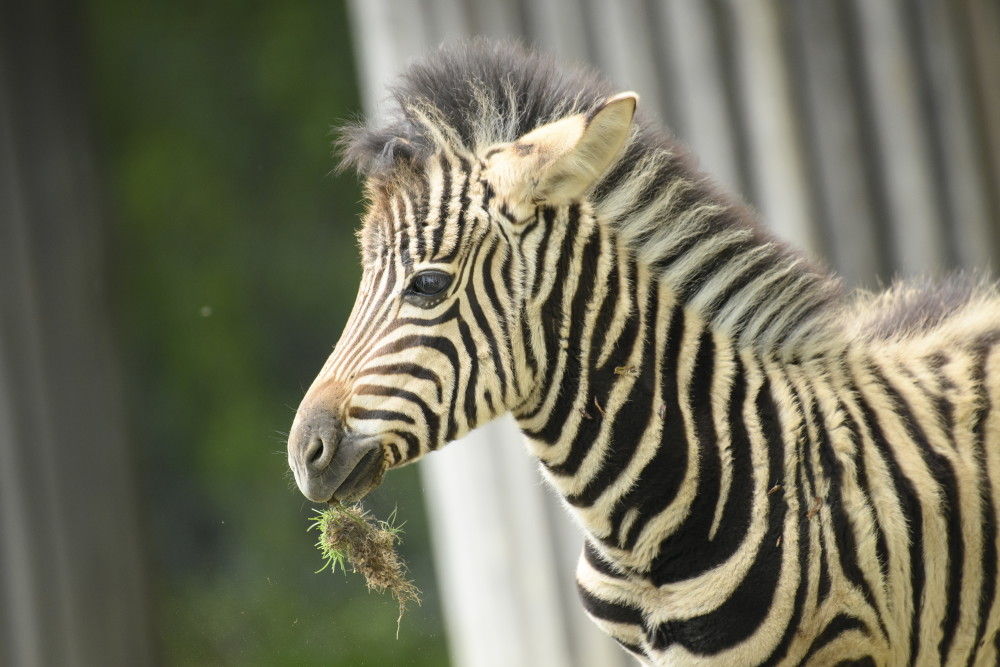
(318, 453)
(314, 451)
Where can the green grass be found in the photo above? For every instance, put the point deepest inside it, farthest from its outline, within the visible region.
(349, 534)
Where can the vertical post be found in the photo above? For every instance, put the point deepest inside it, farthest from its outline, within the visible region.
(72, 582)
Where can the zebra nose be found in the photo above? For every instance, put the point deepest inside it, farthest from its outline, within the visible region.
(312, 444)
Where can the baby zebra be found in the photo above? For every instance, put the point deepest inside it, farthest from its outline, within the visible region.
(766, 470)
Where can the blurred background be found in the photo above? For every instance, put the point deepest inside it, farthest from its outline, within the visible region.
(177, 260)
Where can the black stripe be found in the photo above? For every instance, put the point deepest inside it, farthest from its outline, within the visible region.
(940, 469)
(632, 420)
(660, 480)
(909, 505)
(401, 231)
(784, 298)
(743, 612)
(412, 445)
(549, 215)
(849, 423)
(442, 221)
(706, 269)
(471, 405)
(806, 500)
(460, 223)
(472, 237)
(596, 561)
(529, 356)
(447, 348)
(840, 624)
(988, 564)
(430, 418)
(943, 409)
(625, 341)
(480, 262)
(735, 520)
(498, 307)
(553, 312)
(613, 612)
(509, 309)
(661, 264)
(775, 291)
(688, 551)
(843, 528)
(806, 309)
(655, 186)
(404, 368)
(824, 583)
(621, 171)
(383, 415)
(754, 270)
(801, 443)
(421, 209)
(451, 313)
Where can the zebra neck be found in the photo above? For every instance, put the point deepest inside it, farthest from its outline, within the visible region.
(590, 275)
(631, 356)
(711, 250)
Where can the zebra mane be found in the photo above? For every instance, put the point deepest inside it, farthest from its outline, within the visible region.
(481, 92)
(477, 93)
(913, 307)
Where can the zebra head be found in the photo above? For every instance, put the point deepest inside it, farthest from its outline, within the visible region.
(443, 337)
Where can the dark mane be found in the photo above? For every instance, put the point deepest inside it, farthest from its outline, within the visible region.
(480, 92)
(912, 307)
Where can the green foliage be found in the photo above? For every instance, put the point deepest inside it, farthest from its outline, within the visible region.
(236, 267)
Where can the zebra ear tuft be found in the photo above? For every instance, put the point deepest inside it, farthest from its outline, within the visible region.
(559, 162)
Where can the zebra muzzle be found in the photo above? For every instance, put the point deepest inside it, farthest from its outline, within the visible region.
(331, 465)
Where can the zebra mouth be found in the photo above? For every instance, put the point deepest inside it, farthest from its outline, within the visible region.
(364, 477)
(331, 466)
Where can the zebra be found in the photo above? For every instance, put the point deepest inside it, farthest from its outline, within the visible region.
(766, 468)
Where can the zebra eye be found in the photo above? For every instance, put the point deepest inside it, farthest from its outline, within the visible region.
(429, 283)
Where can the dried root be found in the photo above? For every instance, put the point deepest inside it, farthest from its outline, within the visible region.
(349, 534)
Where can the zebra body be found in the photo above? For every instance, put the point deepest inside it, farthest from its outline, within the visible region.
(766, 470)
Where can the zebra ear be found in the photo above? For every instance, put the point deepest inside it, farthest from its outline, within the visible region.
(559, 162)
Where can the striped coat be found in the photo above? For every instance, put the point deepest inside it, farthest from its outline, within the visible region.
(766, 470)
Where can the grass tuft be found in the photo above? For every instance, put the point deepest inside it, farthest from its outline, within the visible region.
(349, 534)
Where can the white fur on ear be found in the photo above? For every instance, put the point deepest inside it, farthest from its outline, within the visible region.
(559, 162)
(602, 141)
